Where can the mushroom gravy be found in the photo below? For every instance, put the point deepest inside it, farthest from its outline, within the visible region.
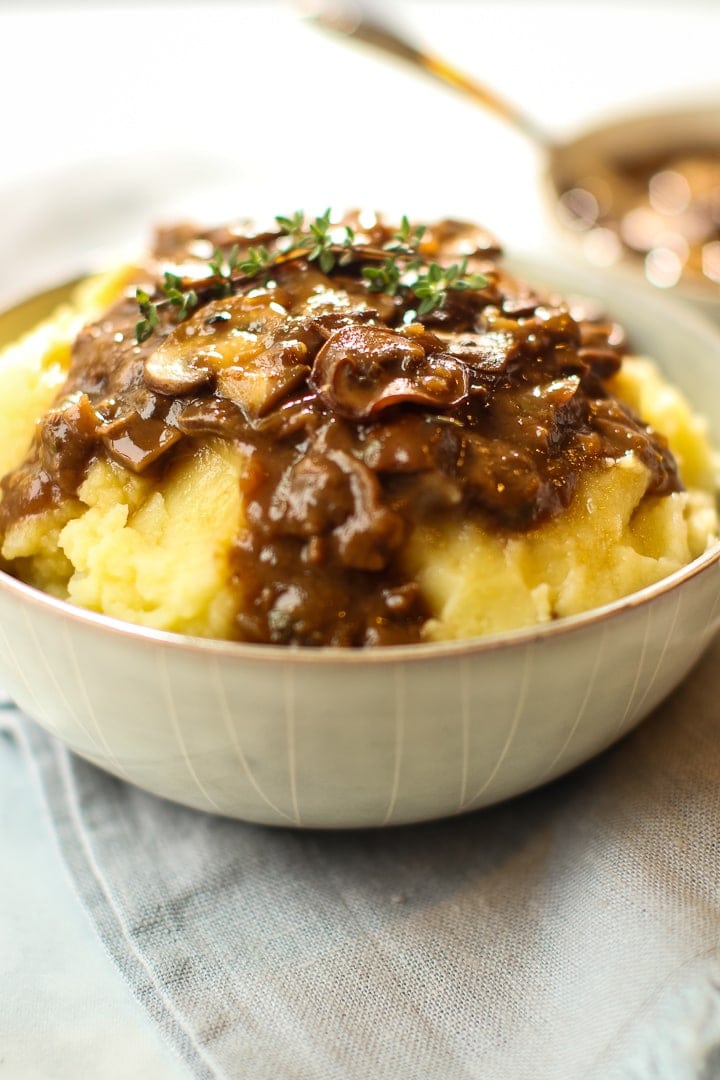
(358, 417)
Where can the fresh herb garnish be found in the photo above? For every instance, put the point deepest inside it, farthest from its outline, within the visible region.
(383, 278)
(398, 268)
(434, 283)
(405, 270)
(407, 239)
(321, 243)
(293, 228)
(223, 268)
(145, 326)
(184, 301)
(256, 260)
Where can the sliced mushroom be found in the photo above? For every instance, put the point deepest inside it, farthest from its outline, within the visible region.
(136, 443)
(258, 385)
(558, 392)
(488, 353)
(177, 368)
(362, 370)
(220, 334)
(211, 416)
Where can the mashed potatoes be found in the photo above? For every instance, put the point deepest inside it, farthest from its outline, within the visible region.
(611, 541)
(157, 558)
(159, 548)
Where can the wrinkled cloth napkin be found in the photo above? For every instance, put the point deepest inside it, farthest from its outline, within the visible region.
(571, 933)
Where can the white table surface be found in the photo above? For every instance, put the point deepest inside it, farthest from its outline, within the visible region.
(114, 116)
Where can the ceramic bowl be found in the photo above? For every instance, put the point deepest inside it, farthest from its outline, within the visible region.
(332, 738)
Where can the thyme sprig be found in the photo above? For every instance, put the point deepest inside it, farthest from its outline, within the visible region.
(432, 285)
(183, 299)
(145, 327)
(398, 268)
(319, 243)
(402, 260)
(404, 270)
(408, 238)
(223, 268)
(293, 228)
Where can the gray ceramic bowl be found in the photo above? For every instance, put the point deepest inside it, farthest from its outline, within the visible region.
(332, 738)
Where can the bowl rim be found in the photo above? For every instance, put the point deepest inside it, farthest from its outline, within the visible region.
(676, 110)
(517, 262)
(338, 655)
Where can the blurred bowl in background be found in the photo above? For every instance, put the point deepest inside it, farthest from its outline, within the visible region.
(643, 195)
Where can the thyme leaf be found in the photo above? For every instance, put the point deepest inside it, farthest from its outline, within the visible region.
(183, 300)
(320, 243)
(293, 228)
(256, 260)
(407, 239)
(223, 267)
(434, 282)
(383, 278)
(398, 268)
(145, 326)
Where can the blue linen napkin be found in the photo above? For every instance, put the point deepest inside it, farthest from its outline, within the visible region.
(571, 933)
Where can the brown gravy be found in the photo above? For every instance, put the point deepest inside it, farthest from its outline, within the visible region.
(359, 418)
